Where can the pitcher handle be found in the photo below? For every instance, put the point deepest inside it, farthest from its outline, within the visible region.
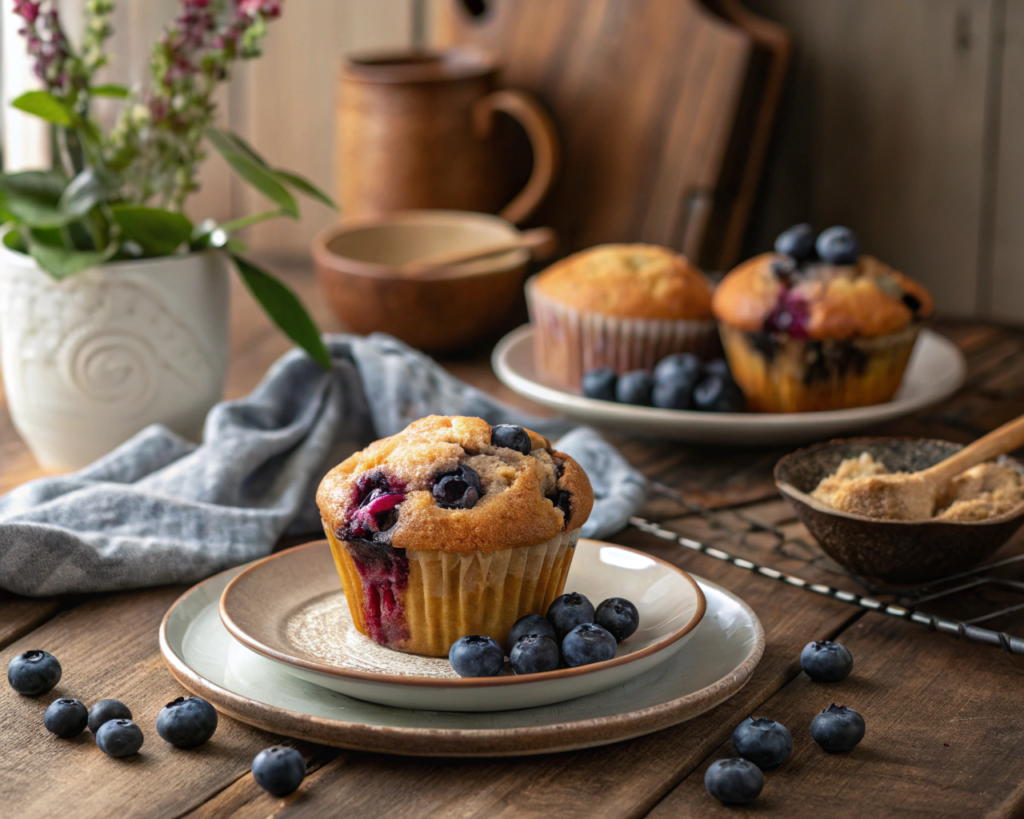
(525, 110)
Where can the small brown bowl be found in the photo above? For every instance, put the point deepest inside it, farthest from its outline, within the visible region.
(357, 263)
(898, 552)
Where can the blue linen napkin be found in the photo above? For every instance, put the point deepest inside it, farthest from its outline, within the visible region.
(160, 509)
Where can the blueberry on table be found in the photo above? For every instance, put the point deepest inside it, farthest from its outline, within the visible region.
(734, 781)
(33, 673)
(838, 245)
(460, 489)
(567, 612)
(529, 624)
(106, 710)
(764, 742)
(600, 383)
(187, 722)
(279, 770)
(825, 661)
(618, 617)
(534, 654)
(682, 366)
(673, 386)
(718, 393)
(588, 643)
(476, 656)
(837, 728)
(66, 718)
(797, 241)
(511, 436)
(119, 737)
(635, 387)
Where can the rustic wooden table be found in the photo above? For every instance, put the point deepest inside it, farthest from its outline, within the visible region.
(945, 726)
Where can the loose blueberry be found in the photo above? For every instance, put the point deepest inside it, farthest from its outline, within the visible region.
(534, 654)
(106, 710)
(567, 612)
(678, 365)
(617, 616)
(119, 737)
(33, 673)
(717, 367)
(797, 241)
(511, 436)
(635, 387)
(734, 781)
(837, 728)
(600, 383)
(764, 742)
(460, 489)
(66, 718)
(674, 388)
(588, 643)
(279, 770)
(718, 393)
(825, 661)
(476, 656)
(529, 624)
(838, 245)
(187, 722)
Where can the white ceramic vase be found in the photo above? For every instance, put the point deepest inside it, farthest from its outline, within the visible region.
(90, 361)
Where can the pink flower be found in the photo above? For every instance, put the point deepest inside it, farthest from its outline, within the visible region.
(27, 9)
(253, 8)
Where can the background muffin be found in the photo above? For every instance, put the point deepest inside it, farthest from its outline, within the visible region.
(816, 325)
(619, 306)
(450, 528)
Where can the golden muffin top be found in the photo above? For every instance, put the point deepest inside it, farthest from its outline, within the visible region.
(452, 483)
(819, 301)
(628, 281)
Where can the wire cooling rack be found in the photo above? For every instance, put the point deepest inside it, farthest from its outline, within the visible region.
(988, 592)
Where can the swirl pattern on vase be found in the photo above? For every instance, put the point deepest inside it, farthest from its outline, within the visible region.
(111, 367)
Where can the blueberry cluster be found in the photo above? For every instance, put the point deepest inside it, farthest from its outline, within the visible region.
(763, 744)
(186, 722)
(837, 245)
(679, 381)
(573, 633)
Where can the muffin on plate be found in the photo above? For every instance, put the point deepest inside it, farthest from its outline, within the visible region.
(816, 325)
(619, 306)
(452, 527)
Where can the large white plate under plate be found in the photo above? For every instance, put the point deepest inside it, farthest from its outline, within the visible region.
(715, 664)
(936, 370)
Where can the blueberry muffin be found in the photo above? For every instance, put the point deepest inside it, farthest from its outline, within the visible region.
(619, 306)
(452, 527)
(817, 325)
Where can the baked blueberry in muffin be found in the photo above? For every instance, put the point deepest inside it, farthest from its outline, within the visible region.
(452, 528)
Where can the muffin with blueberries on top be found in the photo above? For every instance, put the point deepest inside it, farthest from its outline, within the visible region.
(817, 325)
(452, 527)
(620, 306)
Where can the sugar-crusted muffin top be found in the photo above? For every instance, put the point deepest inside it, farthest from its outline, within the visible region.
(629, 281)
(453, 483)
(818, 301)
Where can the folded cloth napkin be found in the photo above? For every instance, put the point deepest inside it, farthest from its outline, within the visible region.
(160, 509)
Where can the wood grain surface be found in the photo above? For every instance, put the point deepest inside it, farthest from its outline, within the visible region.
(945, 733)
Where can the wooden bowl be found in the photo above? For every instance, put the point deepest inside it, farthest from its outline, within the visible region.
(898, 552)
(357, 263)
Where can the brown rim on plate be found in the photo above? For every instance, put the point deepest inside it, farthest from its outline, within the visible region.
(525, 741)
(461, 682)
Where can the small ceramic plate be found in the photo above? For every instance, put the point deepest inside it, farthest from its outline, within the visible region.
(291, 609)
(716, 663)
(936, 370)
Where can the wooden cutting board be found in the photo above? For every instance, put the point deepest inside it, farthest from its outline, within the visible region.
(663, 108)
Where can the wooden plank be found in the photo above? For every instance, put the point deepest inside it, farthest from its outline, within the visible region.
(945, 735)
(19, 615)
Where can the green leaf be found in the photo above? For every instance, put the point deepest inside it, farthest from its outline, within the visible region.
(158, 232)
(13, 240)
(305, 186)
(33, 197)
(62, 263)
(284, 309)
(253, 170)
(111, 90)
(88, 189)
(46, 106)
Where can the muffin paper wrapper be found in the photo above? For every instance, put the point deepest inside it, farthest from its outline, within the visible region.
(780, 382)
(567, 342)
(448, 595)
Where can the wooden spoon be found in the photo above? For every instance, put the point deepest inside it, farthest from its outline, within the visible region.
(541, 242)
(913, 495)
